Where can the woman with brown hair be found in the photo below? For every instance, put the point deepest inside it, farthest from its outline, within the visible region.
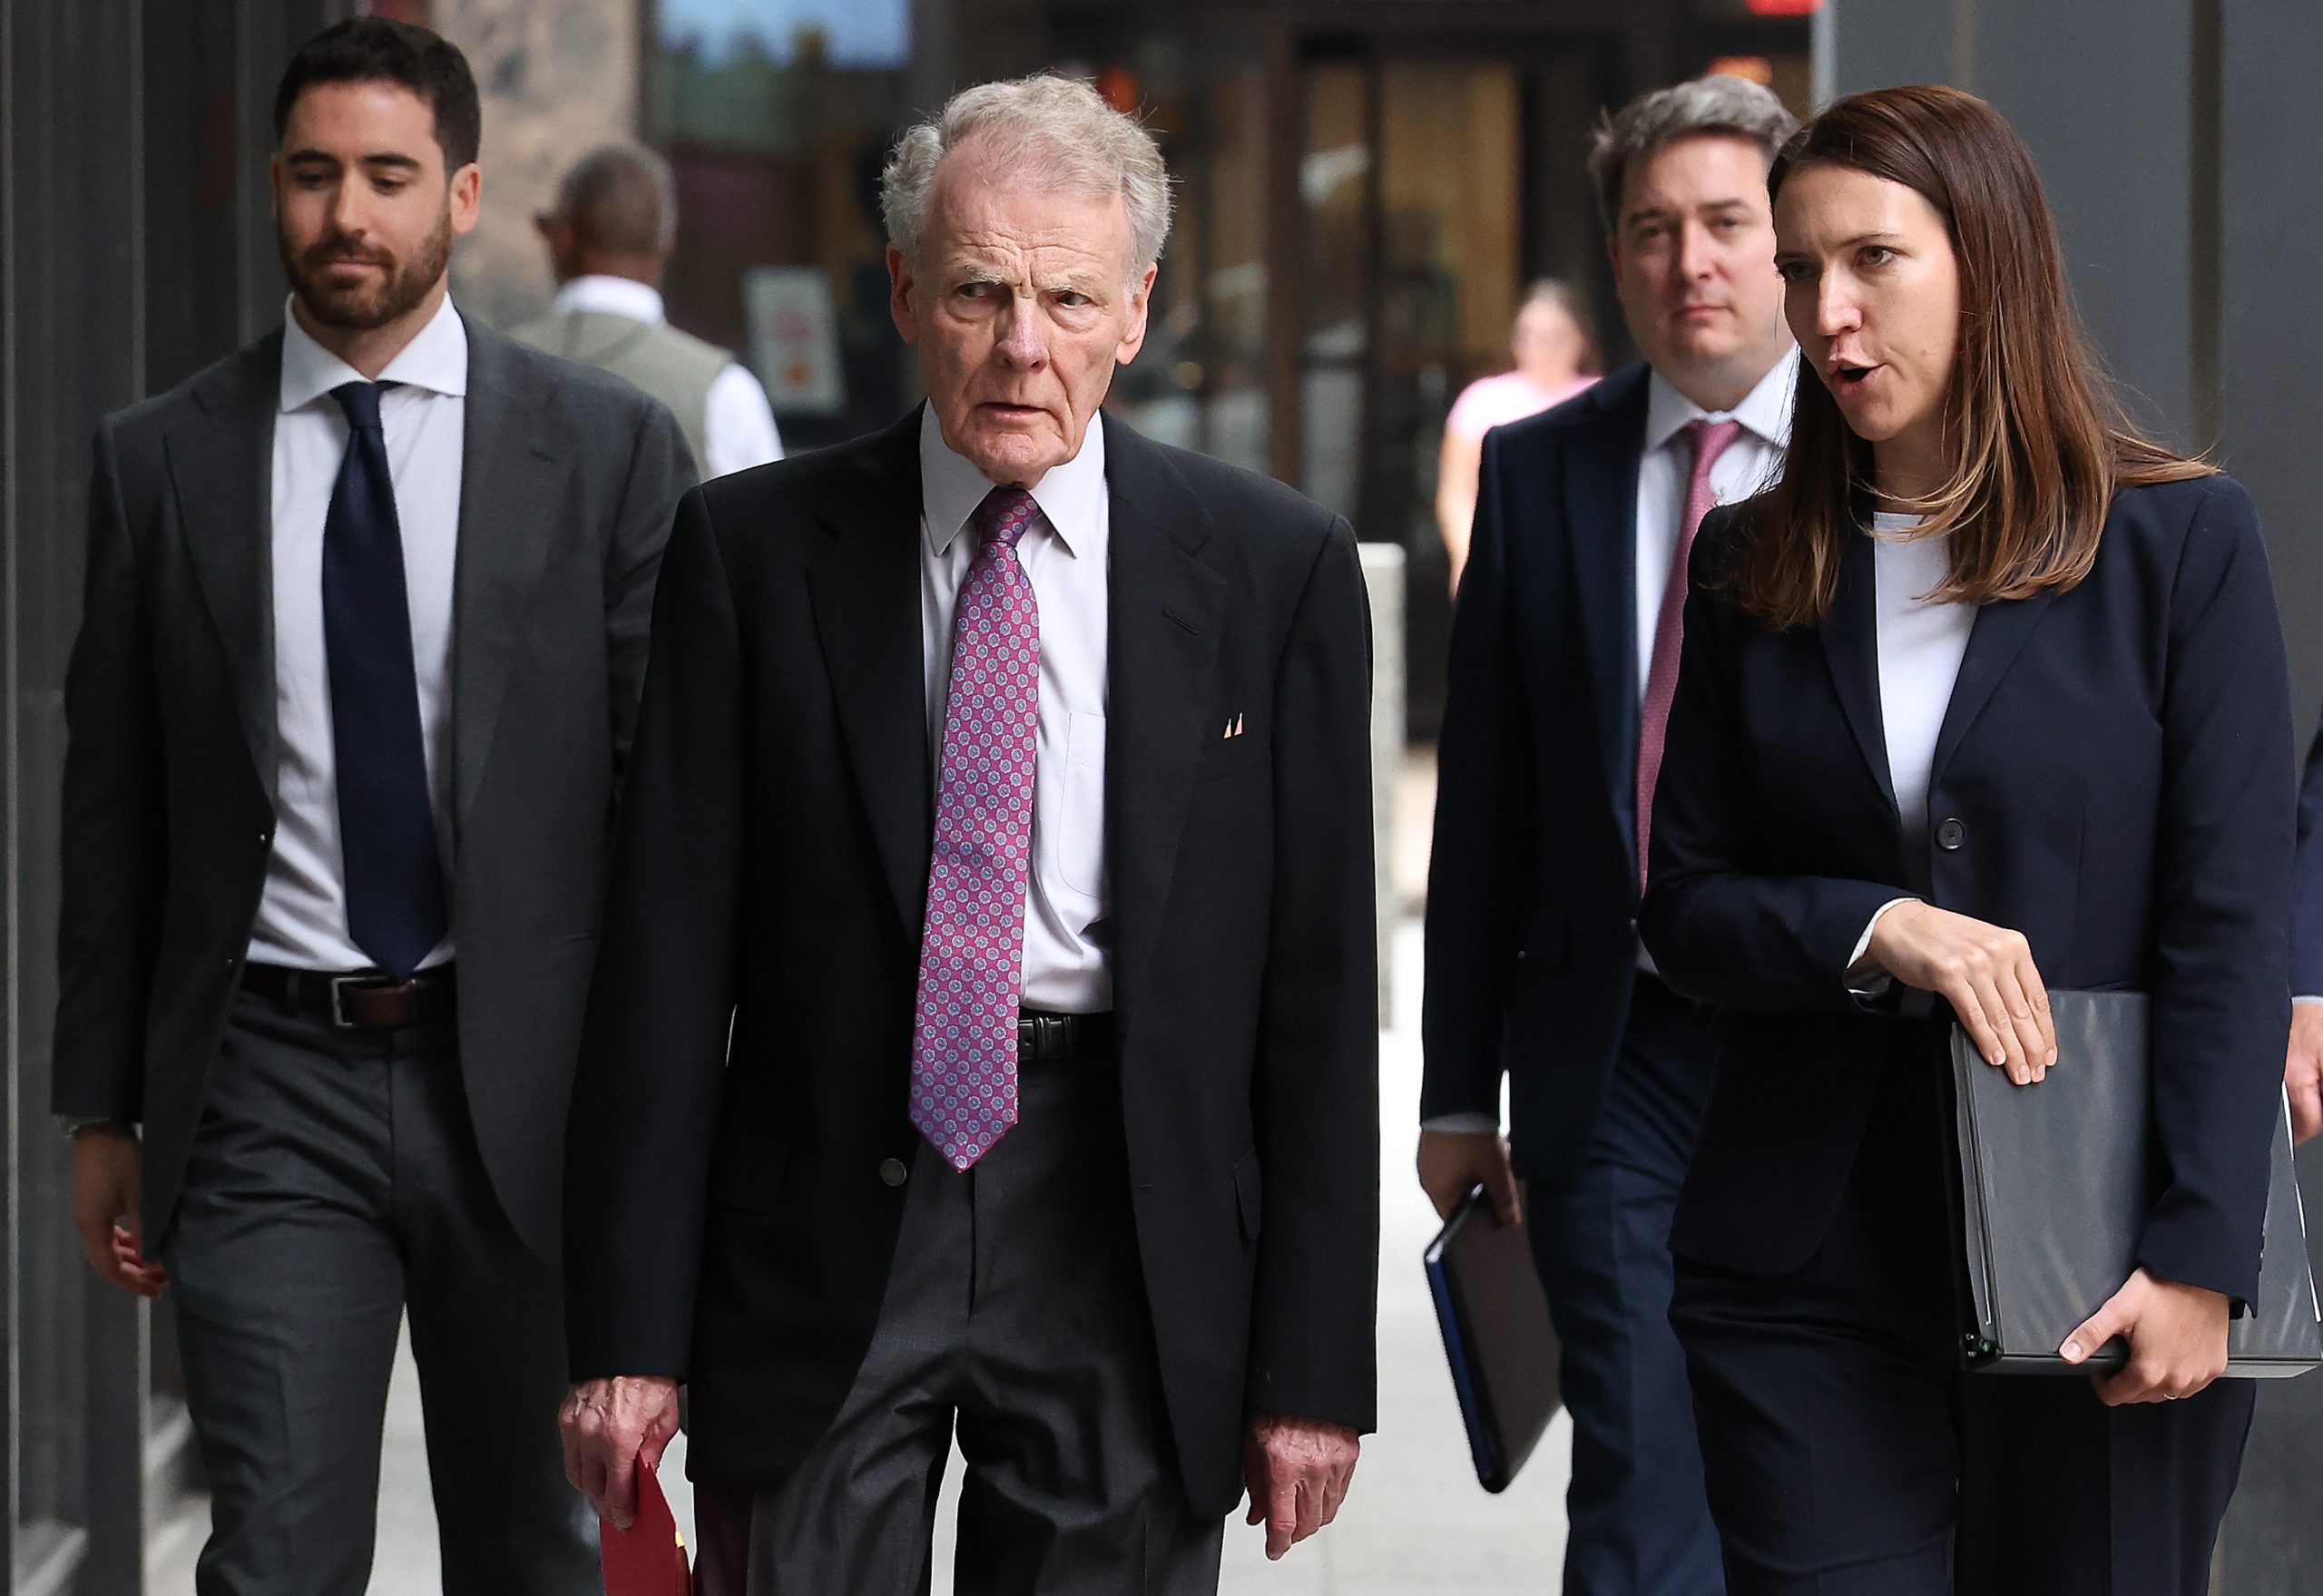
(1986, 696)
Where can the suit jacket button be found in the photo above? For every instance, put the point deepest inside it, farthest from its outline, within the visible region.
(892, 1171)
(1950, 835)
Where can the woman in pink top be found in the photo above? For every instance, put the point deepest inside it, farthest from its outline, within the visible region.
(1556, 356)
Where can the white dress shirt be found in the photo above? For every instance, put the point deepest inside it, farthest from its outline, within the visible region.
(737, 424)
(1921, 645)
(302, 915)
(1068, 957)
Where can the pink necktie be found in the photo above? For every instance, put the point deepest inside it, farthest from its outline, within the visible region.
(1708, 439)
(972, 948)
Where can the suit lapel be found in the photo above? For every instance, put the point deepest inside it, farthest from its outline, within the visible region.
(864, 587)
(1166, 607)
(508, 516)
(1601, 462)
(1850, 634)
(1999, 633)
(218, 462)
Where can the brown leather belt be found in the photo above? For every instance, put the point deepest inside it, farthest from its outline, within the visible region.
(357, 1002)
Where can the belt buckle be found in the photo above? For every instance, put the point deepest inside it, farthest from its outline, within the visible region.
(341, 986)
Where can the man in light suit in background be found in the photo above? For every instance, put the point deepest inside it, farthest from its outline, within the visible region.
(359, 656)
(608, 239)
(1564, 651)
(985, 1040)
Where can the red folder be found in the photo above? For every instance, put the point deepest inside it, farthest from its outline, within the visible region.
(649, 1558)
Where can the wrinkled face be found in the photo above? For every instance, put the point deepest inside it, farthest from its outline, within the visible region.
(1021, 299)
(364, 211)
(1872, 292)
(1693, 256)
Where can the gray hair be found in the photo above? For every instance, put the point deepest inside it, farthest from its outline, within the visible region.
(1718, 104)
(1055, 129)
(623, 197)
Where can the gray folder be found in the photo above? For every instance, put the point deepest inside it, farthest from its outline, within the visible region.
(2055, 1179)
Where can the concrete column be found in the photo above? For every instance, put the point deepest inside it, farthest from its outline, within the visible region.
(1382, 574)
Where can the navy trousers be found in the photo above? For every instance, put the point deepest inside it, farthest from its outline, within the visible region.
(1640, 1523)
(1849, 1454)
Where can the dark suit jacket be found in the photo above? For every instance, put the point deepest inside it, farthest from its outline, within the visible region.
(2112, 779)
(1532, 889)
(728, 1221)
(567, 486)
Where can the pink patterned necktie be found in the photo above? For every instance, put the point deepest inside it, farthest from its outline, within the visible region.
(1708, 439)
(972, 949)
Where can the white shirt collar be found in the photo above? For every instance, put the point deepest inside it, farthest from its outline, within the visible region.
(1764, 412)
(436, 359)
(1069, 495)
(617, 295)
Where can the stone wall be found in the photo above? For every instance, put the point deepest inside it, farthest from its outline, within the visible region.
(558, 78)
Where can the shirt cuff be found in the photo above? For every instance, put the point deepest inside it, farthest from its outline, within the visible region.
(1866, 979)
(1467, 1124)
(2305, 997)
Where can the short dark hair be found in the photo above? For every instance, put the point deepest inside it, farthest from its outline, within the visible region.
(380, 50)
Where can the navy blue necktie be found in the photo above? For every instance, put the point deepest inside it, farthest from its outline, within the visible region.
(386, 826)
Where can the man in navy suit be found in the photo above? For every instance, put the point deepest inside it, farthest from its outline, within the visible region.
(1564, 657)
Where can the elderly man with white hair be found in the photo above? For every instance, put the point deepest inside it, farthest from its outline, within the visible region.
(983, 1043)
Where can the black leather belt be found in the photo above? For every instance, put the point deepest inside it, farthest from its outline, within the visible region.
(1045, 1038)
(359, 1002)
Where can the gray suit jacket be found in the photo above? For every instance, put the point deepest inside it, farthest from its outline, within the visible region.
(569, 483)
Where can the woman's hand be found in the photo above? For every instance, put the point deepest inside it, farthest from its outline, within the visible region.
(1984, 972)
(2177, 1335)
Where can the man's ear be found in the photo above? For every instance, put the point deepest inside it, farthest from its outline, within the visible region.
(467, 199)
(901, 286)
(1140, 303)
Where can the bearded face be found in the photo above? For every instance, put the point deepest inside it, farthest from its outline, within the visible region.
(365, 212)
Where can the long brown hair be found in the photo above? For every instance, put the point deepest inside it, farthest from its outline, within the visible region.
(2038, 444)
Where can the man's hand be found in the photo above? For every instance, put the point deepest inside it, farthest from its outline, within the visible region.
(1454, 1162)
(1297, 1471)
(610, 1426)
(2303, 1070)
(107, 1182)
(1984, 972)
(2177, 1335)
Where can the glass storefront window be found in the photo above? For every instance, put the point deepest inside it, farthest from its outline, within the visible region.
(777, 116)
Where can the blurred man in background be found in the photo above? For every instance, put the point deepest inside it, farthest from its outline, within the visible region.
(609, 238)
(1564, 653)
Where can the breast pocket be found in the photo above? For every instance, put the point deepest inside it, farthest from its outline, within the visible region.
(1080, 842)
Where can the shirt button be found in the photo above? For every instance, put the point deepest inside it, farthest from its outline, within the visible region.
(1950, 836)
(892, 1171)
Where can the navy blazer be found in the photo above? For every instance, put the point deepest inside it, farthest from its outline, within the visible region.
(2113, 778)
(1532, 889)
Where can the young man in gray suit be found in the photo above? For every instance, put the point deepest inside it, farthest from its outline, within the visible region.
(361, 650)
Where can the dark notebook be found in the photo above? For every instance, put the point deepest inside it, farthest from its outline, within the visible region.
(2055, 1180)
(1496, 1336)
